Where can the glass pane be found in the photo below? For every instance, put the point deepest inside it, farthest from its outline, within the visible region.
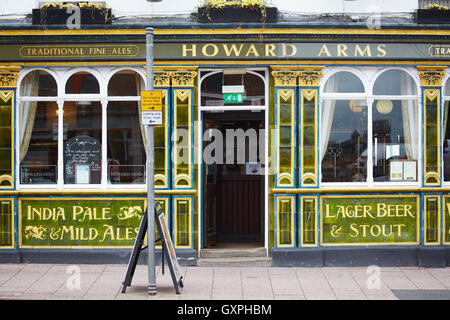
(82, 146)
(395, 82)
(286, 115)
(82, 82)
(446, 145)
(6, 223)
(285, 225)
(343, 82)
(6, 143)
(395, 130)
(345, 156)
(212, 93)
(308, 216)
(125, 83)
(38, 142)
(432, 220)
(126, 152)
(182, 227)
(38, 83)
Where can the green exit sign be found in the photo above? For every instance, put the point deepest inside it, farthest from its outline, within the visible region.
(233, 98)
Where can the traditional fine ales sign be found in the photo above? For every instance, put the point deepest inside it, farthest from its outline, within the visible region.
(370, 220)
(61, 222)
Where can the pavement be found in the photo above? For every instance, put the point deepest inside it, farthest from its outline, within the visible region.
(104, 282)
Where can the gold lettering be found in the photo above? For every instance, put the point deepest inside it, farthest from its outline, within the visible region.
(105, 213)
(327, 212)
(381, 48)
(381, 210)
(342, 50)
(192, 49)
(252, 50)
(67, 230)
(233, 49)
(284, 50)
(269, 50)
(408, 207)
(324, 50)
(361, 52)
(353, 230)
(214, 52)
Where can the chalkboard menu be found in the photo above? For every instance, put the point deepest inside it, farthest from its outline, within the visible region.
(82, 160)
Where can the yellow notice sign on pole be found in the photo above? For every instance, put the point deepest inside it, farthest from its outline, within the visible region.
(151, 100)
(151, 107)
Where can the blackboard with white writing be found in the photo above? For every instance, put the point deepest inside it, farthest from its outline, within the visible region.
(82, 150)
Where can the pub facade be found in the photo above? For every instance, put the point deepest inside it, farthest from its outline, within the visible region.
(322, 144)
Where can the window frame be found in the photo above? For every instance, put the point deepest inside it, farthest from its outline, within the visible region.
(368, 77)
(444, 99)
(61, 76)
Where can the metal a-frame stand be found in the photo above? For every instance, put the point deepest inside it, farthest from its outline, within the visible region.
(167, 251)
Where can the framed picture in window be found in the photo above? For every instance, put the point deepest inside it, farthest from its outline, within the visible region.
(82, 173)
(410, 170)
(396, 170)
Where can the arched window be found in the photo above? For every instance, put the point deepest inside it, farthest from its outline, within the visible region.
(343, 135)
(233, 87)
(82, 141)
(126, 151)
(395, 127)
(38, 129)
(82, 83)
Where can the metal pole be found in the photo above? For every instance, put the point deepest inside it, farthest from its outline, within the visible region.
(150, 174)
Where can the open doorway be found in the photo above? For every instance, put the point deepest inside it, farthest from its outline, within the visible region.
(233, 187)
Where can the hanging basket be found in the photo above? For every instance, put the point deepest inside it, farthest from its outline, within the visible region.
(433, 16)
(236, 14)
(59, 16)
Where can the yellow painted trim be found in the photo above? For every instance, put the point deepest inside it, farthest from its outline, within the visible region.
(292, 200)
(432, 94)
(302, 244)
(235, 31)
(175, 223)
(183, 94)
(444, 220)
(69, 199)
(425, 242)
(197, 63)
(373, 243)
(159, 177)
(13, 239)
(11, 95)
(309, 94)
(358, 190)
(142, 192)
(286, 94)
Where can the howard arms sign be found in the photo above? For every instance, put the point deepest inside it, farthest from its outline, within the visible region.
(227, 51)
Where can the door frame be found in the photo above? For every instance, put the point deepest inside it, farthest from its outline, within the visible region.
(201, 110)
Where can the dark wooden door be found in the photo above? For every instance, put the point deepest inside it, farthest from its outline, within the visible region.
(239, 208)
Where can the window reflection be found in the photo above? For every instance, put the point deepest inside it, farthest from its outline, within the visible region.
(344, 157)
(126, 153)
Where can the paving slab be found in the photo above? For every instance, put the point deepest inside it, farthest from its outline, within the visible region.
(423, 279)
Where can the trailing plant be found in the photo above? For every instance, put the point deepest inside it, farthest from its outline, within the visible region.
(256, 5)
(435, 6)
(82, 5)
